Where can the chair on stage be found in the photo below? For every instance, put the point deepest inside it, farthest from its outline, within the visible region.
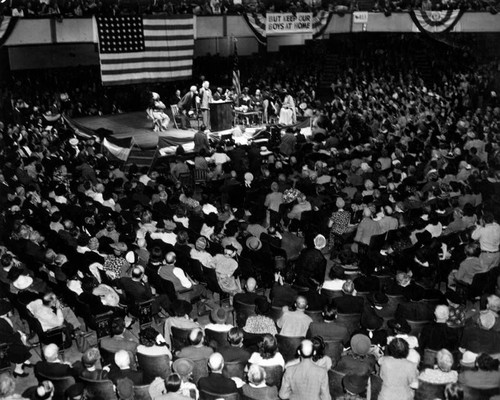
(156, 121)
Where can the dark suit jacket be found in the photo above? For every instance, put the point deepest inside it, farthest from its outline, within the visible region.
(217, 383)
(349, 304)
(311, 264)
(329, 331)
(246, 298)
(134, 376)
(231, 354)
(54, 369)
(283, 295)
(479, 341)
(414, 311)
(437, 336)
(135, 290)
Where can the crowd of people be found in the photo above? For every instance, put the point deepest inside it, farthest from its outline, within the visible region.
(360, 260)
(87, 8)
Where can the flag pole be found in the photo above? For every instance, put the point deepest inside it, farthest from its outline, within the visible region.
(236, 72)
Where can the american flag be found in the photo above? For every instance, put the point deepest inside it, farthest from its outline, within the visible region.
(134, 49)
(236, 71)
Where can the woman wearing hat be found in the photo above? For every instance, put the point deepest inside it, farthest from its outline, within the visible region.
(225, 265)
(358, 360)
(17, 353)
(199, 253)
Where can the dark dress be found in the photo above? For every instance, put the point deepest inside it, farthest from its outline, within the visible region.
(17, 352)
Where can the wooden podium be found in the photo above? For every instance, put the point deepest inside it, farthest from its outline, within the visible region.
(221, 116)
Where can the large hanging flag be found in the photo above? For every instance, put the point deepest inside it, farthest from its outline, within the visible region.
(7, 25)
(259, 23)
(134, 49)
(436, 21)
(236, 72)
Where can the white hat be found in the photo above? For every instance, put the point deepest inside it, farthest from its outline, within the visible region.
(23, 282)
(155, 95)
(264, 151)
(73, 142)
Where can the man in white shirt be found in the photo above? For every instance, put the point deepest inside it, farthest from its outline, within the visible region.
(185, 288)
(488, 236)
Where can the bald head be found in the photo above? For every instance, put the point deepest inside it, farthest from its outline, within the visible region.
(251, 285)
(306, 349)
(51, 352)
(122, 359)
(216, 362)
(301, 303)
(170, 257)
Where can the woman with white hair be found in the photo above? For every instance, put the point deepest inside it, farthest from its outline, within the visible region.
(256, 387)
(8, 387)
(444, 373)
(157, 113)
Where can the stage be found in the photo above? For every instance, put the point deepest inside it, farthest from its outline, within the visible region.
(134, 125)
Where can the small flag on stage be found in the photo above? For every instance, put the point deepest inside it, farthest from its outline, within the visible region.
(134, 49)
(236, 71)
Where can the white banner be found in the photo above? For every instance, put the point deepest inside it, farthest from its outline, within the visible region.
(360, 17)
(284, 23)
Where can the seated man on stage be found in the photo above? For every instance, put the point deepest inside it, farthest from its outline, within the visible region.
(157, 113)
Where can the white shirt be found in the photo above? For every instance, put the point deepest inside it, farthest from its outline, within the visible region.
(48, 319)
(167, 237)
(488, 237)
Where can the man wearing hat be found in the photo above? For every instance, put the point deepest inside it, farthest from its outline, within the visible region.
(378, 303)
(371, 325)
(17, 353)
(354, 387)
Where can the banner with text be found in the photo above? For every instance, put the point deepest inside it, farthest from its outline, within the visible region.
(284, 23)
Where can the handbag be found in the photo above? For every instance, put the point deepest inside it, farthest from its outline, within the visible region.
(86, 340)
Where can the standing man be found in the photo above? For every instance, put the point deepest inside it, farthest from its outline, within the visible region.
(185, 105)
(206, 99)
(488, 236)
(305, 380)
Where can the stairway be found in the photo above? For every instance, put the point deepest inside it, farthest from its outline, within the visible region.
(142, 158)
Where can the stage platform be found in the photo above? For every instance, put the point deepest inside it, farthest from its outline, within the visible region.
(133, 125)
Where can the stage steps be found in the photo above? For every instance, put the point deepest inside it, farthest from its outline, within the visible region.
(142, 158)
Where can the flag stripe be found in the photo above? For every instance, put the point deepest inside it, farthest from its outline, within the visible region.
(153, 48)
(147, 75)
(162, 38)
(137, 70)
(131, 60)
